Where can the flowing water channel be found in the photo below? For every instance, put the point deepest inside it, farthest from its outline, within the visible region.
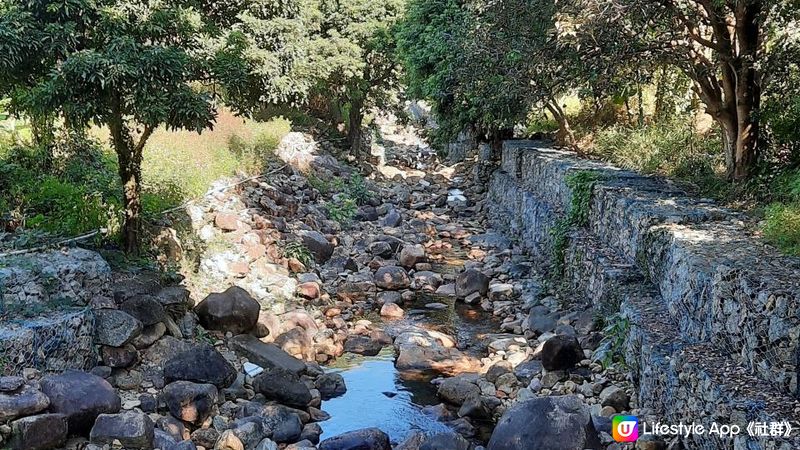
(378, 395)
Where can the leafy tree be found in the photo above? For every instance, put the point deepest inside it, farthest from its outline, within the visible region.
(351, 50)
(486, 64)
(725, 47)
(431, 39)
(263, 59)
(128, 65)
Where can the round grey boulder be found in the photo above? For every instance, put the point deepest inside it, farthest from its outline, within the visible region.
(330, 385)
(115, 328)
(544, 424)
(392, 278)
(233, 310)
(202, 364)
(471, 281)
(365, 439)
(81, 397)
(561, 352)
(132, 429)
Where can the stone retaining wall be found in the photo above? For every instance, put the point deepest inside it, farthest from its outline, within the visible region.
(713, 311)
(46, 318)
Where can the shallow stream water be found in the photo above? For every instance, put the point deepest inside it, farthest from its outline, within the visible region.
(377, 396)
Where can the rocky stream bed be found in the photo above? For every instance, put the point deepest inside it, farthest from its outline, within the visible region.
(413, 326)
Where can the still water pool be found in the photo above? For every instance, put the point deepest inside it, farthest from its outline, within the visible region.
(378, 397)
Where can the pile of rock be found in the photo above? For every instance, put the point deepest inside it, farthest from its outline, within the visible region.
(41, 412)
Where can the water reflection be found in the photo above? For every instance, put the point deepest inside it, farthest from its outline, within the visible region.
(378, 397)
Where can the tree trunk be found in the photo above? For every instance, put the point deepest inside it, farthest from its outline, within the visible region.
(496, 138)
(748, 90)
(131, 174)
(745, 152)
(730, 133)
(565, 135)
(354, 132)
(129, 156)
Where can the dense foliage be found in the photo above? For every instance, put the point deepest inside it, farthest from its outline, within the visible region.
(706, 91)
(486, 64)
(133, 66)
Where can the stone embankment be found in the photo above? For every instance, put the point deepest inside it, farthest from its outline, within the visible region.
(231, 357)
(667, 310)
(707, 314)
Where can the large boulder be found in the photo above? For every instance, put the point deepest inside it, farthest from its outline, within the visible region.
(286, 425)
(81, 397)
(146, 308)
(362, 345)
(544, 424)
(268, 356)
(132, 430)
(318, 245)
(445, 441)
(284, 387)
(233, 310)
(330, 385)
(249, 430)
(22, 401)
(471, 281)
(115, 328)
(42, 432)
(190, 402)
(457, 390)
(392, 278)
(365, 439)
(202, 364)
(561, 352)
(431, 351)
(284, 422)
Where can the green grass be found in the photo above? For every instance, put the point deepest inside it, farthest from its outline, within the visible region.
(79, 191)
(782, 227)
(183, 164)
(782, 215)
(673, 149)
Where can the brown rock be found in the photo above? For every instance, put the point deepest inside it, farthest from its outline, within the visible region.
(392, 278)
(391, 311)
(239, 268)
(309, 290)
(296, 266)
(227, 221)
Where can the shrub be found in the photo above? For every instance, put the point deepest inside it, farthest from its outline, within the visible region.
(72, 186)
(298, 251)
(342, 209)
(671, 148)
(69, 188)
(60, 207)
(356, 188)
(782, 227)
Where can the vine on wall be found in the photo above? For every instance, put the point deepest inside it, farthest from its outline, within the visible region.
(582, 185)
